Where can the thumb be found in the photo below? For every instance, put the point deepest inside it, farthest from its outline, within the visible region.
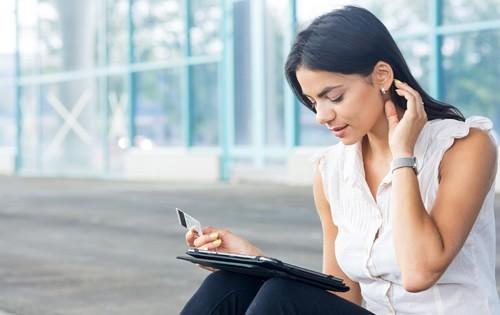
(391, 114)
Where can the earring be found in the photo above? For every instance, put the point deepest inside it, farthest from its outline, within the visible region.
(382, 89)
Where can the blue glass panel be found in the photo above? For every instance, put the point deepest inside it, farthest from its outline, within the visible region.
(158, 113)
(204, 89)
(159, 32)
(206, 18)
(471, 73)
(461, 11)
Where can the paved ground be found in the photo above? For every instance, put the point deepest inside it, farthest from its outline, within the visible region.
(101, 247)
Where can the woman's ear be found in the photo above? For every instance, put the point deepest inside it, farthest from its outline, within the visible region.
(382, 75)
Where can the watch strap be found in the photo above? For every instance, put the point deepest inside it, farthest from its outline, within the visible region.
(404, 162)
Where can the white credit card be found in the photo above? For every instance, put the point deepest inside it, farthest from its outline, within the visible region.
(188, 221)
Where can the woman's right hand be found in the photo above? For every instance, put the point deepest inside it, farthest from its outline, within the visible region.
(221, 240)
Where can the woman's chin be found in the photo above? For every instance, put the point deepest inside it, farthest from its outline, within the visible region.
(348, 141)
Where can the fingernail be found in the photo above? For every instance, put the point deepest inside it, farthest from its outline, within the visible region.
(397, 81)
(190, 233)
(214, 235)
(217, 242)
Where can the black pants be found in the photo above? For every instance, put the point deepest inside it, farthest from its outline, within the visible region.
(229, 293)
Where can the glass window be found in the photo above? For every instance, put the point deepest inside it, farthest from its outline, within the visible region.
(7, 75)
(7, 114)
(204, 92)
(61, 128)
(159, 31)
(276, 25)
(28, 36)
(46, 46)
(159, 114)
(54, 41)
(70, 127)
(462, 11)
(206, 22)
(30, 144)
(417, 53)
(117, 140)
(471, 68)
(402, 16)
(8, 39)
(242, 74)
(399, 16)
(117, 31)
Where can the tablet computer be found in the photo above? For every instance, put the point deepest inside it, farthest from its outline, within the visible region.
(264, 267)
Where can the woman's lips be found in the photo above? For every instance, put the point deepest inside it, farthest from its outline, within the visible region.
(339, 132)
(339, 128)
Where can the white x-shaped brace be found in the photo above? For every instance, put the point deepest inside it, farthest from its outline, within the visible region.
(70, 119)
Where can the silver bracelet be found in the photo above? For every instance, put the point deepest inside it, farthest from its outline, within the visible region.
(404, 162)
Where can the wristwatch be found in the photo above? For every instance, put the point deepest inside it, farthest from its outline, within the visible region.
(404, 162)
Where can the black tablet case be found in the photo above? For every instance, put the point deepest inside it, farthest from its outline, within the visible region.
(263, 267)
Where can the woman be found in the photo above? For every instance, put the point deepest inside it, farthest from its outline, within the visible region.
(407, 239)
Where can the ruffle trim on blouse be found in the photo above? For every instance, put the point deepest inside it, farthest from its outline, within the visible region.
(454, 129)
(458, 129)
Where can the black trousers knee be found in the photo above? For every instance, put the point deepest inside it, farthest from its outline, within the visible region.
(228, 293)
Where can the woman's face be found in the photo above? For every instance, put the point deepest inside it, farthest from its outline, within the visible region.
(342, 100)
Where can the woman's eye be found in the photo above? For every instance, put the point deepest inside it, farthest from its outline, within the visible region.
(338, 99)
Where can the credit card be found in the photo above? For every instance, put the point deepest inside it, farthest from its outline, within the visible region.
(188, 221)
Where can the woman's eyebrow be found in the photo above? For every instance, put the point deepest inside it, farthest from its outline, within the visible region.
(327, 89)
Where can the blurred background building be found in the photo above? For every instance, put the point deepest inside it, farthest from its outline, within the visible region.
(194, 89)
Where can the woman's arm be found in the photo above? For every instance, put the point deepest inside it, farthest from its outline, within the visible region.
(427, 243)
(330, 265)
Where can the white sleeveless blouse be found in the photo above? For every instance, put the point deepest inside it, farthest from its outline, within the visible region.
(466, 287)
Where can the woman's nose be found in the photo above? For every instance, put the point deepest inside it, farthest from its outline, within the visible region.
(324, 114)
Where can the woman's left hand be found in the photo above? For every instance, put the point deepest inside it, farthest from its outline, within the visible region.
(403, 134)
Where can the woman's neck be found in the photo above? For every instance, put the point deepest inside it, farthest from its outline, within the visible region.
(375, 143)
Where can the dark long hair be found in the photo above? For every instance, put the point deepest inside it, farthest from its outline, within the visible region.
(351, 40)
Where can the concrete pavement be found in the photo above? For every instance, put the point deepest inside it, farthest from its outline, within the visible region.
(104, 247)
